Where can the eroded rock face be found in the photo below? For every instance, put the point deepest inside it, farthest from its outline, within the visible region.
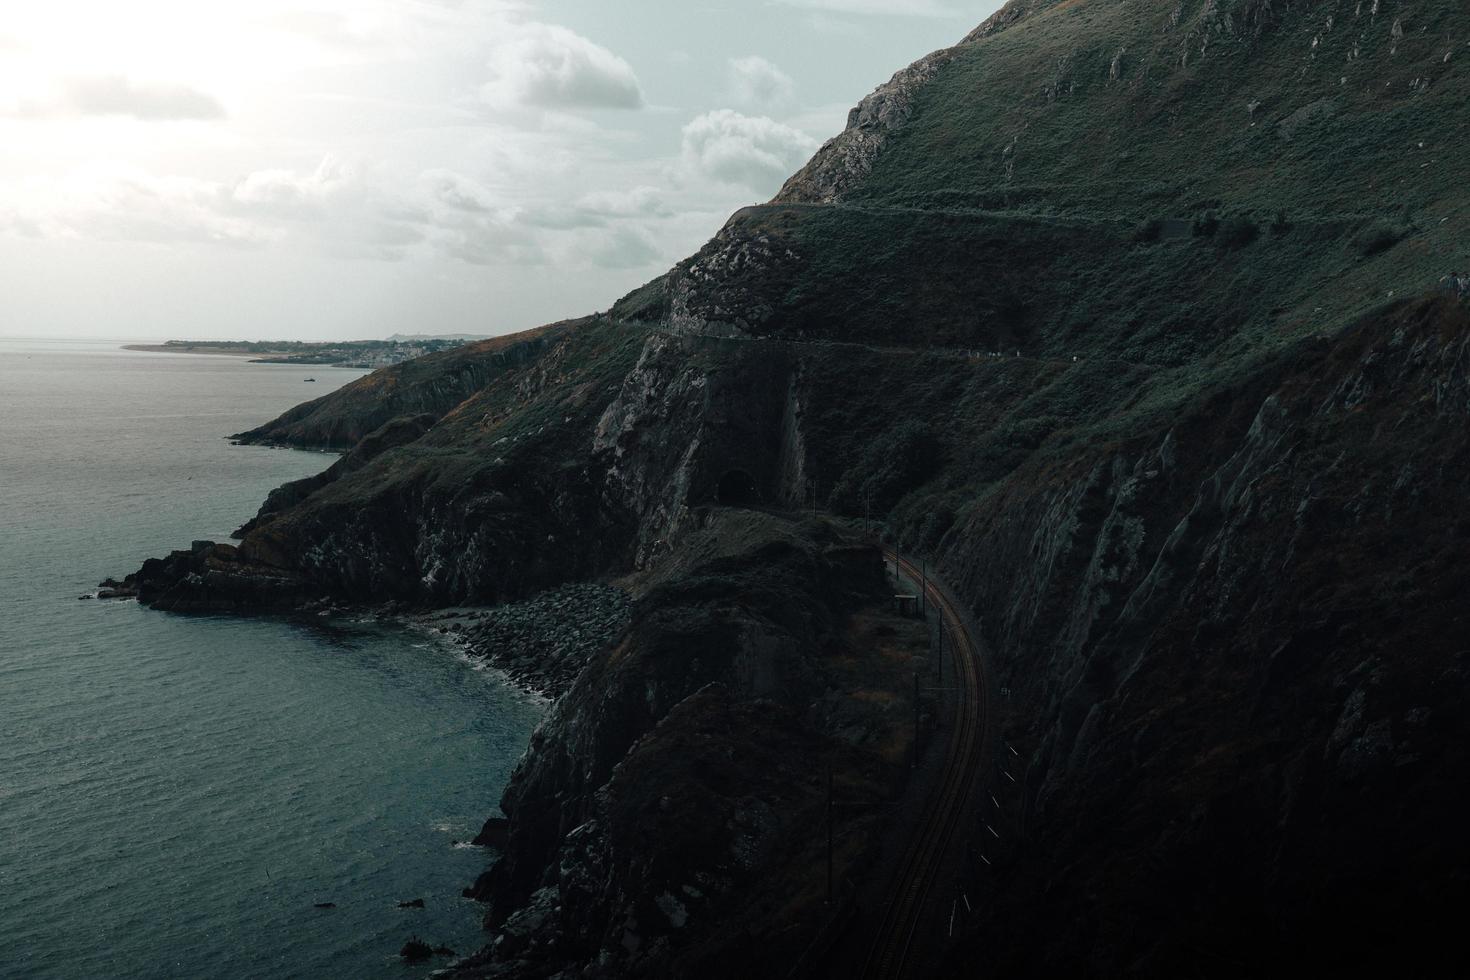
(845, 161)
(665, 783)
(725, 290)
(693, 410)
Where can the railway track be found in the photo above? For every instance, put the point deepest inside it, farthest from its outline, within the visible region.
(891, 955)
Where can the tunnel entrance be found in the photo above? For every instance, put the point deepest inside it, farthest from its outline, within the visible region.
(737, 489)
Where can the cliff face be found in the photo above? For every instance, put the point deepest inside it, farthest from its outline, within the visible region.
(1236, 653)
(670, 800)
(1125, 313)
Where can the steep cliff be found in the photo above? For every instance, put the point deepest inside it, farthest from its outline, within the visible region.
(1236, 654)
(673, 799)
(1125, 314)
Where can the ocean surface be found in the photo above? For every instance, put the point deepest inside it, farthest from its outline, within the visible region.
(178, 792)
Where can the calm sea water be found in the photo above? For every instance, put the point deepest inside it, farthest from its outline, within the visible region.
(177, 792)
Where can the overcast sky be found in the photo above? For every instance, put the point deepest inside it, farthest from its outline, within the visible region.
(354, 168)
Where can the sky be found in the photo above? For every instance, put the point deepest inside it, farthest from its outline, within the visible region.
(345, 169)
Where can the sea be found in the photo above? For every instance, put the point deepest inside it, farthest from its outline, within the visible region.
(179, 793)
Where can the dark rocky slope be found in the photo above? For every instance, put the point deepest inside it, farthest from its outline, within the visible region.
(1205, 509)
(672, 802)
(431, 385)
(1238, 656)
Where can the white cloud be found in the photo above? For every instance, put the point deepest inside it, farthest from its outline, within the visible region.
(465, 220)
(598, 209)
(757, 83)
(550, 67)
(117, 95)
(285, 194)
(752, 151)
(333, 209)
(625, 246)
(125, 206)
(642, 200)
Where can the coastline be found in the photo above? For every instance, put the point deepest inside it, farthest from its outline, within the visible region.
(540, 643)
(197, 349)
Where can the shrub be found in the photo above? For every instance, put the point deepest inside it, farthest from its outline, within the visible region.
(1237, 232)
(1206, 225)
(1378, 236)
(900, 460)
(1149, 232)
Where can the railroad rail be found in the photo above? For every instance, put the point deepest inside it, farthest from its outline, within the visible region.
(890, 956)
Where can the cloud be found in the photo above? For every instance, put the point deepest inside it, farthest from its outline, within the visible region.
(639, 201)
(334, 209)
(625, 246)
(897, 8)
(116, 95)
(125, 206)
(752, 151)
(597, 209)
(550, 67)
(285, 194)
(756, 83)
(463, 219)
(359, 215)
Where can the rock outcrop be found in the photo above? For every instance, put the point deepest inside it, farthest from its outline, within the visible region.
(670, 794)
(544, 642)
(847, 159)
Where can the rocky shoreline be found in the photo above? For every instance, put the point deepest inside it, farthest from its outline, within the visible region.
(541, 643)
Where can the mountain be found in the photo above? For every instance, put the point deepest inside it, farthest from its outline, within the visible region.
(1128, 315)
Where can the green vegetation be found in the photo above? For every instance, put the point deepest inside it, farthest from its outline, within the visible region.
(1141, 242)
(1128, 243)
(900, 459)
(1379, 236)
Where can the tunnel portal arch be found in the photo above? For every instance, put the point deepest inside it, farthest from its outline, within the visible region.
(737, 489)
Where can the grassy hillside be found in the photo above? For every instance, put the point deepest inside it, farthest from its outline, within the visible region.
(1151, 179)
(431, 385)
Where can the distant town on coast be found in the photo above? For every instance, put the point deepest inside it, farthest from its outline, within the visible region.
(351, 353)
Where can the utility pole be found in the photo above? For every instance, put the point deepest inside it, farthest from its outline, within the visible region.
(939, 660)
(829, 831)
(924, 588)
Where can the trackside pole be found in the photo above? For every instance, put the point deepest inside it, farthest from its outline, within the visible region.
(939, 660)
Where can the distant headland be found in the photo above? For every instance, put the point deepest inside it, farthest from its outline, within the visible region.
(353, 353)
